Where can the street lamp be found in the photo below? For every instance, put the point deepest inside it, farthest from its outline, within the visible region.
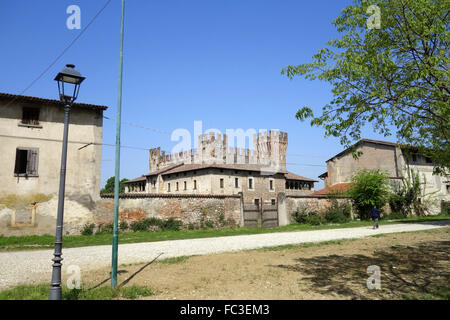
(67, 79)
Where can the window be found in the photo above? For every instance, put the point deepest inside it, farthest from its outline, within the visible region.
(236, 182)
(195, 184)
(26, 162)
(271, 184)
(250, 183)
(221, 183)
(30, 116)
(185, 185)
(448, 188)
(177, 186)
(168, 187)
(428, 160)
(257, 202)
(273, 202)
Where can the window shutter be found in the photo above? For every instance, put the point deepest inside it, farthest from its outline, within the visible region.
(32, 161)
(16, 167)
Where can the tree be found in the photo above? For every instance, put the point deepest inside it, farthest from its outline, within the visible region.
(109, 186)
(369, 188)
(393, 76)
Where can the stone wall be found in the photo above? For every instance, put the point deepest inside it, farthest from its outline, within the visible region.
(40, 218)
(189, 209)
(318, 203)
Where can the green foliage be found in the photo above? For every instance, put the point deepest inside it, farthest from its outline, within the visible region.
(315, 220)
(88, 229)
(170, 224)
(109, 186)
(144, 225)
(336, 216)
(105, 228)
(123, 226)
(300, 216)
(369, 188)
(396, 76)
(445, 208)
(406, 199)
(137, 226)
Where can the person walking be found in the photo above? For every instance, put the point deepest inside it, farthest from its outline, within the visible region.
(375, 215)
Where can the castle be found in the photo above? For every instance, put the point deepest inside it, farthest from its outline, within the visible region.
(214, 168)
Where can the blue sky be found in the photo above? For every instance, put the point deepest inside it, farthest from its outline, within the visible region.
(215, 61)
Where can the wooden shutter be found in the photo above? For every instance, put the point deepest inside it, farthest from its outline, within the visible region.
(17, 165)
(32, 162)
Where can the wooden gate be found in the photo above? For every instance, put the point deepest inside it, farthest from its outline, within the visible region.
(269, 215)
(260, 215)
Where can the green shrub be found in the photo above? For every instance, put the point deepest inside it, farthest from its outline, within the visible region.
(300, 216)
(123, 226)
(137, 226)
(152, 221)
(209, 224)
(88, 229)
(170, 224)
(315, 220)
(369, 188)
(107, 228)
(191, 226)
(336, 216)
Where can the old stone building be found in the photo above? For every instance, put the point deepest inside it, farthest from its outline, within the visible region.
(31, 131)
(216, 169)
(389, 157)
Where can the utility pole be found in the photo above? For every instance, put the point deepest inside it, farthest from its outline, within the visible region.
(117, 169)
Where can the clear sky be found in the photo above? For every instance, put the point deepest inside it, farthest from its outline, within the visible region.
(215, 61)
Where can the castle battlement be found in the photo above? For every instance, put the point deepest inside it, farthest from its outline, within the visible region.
(269, 148)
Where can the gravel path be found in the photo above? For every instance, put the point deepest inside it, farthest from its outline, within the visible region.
(27, 267)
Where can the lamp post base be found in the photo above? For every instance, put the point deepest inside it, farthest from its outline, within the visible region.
(55, 293)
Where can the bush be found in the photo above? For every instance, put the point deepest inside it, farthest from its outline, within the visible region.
(315, 220)
(88, 229)
(336, 216)
(123, 226)
(369, 188)
(152, 222)
(170, 224)
(107, 228)
(300, 216)
(137, 226)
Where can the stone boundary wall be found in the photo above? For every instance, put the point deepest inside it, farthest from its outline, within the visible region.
(318, 203)
(189, 209)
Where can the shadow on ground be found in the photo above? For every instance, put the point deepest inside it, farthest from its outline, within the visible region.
(406, 272)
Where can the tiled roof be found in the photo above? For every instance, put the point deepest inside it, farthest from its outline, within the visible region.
(292, 176)
(21, 98)
(140, 179)
(195, 166)
(362, 141)
(337, 188)
(178, 168)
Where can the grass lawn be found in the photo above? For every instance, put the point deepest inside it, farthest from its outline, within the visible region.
(47, 241)
(42, 291)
